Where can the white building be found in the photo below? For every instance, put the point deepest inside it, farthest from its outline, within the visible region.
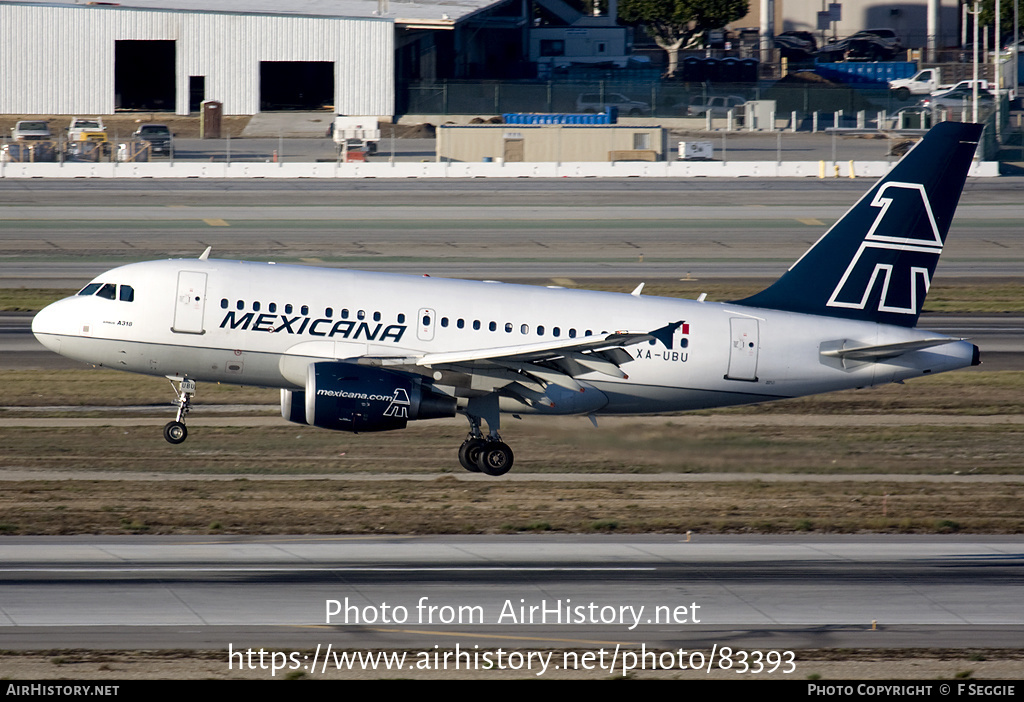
(60, 57)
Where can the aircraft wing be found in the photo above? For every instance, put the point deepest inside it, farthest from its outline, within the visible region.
(535, 366)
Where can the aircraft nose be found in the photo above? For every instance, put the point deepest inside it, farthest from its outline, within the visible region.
(46, 327)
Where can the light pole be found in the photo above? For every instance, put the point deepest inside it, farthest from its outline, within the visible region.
(976, 11)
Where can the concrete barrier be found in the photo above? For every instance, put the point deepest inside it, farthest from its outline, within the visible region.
(661, 169)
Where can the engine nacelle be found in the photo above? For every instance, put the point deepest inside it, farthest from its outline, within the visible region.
(350, 397)
(293, 405)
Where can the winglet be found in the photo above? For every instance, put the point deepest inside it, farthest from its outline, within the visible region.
(206, 254)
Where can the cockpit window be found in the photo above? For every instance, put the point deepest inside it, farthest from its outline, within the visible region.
(90, 289)
(108, 291)
(127, 293)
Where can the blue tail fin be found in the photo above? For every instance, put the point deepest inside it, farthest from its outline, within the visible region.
(877, 262)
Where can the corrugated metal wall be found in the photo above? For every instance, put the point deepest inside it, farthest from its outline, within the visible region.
(60, 60)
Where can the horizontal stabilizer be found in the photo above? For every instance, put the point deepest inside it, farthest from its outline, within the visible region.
(881, 351)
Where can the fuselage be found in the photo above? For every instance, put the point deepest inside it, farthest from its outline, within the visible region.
(261, 324)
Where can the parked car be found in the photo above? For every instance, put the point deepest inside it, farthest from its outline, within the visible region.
(962, 85)
(911, 117)
(31, 130)
(87, 129)
(717, 105)
(958, 99)
(158, 136)
(592, 103)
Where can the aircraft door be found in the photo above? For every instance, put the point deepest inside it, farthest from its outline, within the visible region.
(425, 325)
(190, 303)
(743, 349)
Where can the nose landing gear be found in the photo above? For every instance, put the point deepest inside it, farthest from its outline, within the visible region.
(176, 432)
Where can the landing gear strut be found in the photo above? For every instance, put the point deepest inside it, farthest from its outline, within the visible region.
(480, 454)
(175, 432)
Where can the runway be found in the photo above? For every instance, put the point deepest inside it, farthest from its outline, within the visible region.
(585, 592)
(60, 234)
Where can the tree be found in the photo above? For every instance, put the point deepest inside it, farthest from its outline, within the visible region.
(988, 14)
(673, 24)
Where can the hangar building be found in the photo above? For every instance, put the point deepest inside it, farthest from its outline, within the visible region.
(78, 57)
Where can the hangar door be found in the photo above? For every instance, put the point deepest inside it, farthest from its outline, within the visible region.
(296, 85)
(144, 75)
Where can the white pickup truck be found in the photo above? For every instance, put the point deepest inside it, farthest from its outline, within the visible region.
(927, 81)
(87, 129)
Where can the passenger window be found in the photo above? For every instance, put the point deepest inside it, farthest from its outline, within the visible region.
(90, 289)
(401, 319)
(256, 307)
(444, 321)
(305, 310)
(273, 307)
(239, 305)
(540, 330)
(287, 309)
(461, 323)
(376, 316)
(329, 312)
(508, 327)
(426, 320)
(525, 329)
(127, 293)
(476, 324)
(361, 314)
(224, 303)
(572, 333)
(492, 326)
(344, 314)
(108, 291)
(556, 332)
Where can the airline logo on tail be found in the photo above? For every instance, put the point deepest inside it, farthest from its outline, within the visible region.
(901, 249)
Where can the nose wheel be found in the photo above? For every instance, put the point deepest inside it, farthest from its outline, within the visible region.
(176, 432)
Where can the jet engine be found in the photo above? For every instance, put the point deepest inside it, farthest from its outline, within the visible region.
(350, 397)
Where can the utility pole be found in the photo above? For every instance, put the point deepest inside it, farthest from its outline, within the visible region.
(976, 11)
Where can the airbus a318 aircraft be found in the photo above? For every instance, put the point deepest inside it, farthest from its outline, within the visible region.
(365, 352)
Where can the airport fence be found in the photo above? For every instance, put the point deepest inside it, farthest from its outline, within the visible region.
(636, 96)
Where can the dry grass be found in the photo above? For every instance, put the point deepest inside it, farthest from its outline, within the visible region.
(447, 506)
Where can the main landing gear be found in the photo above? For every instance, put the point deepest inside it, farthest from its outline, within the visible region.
(175, 432)
(480, 454)
(491, 455)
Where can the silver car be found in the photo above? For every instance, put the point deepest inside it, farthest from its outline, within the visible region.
(717, 106)
(592, 103)
(31, 130)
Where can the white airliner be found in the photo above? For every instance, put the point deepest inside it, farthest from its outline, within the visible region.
(358, 351)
